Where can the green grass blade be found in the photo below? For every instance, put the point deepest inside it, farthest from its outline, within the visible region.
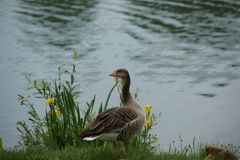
(109, 95)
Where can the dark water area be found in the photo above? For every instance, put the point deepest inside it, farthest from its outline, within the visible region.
(183, 55)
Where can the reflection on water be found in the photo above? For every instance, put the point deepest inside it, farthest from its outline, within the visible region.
(54, 22)
(181, 50)
(208, 23)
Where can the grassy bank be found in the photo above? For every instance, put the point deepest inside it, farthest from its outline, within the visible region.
(93, 153)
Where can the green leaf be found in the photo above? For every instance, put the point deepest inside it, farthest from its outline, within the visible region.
(1, 143)
(74, 68)
(109, 95)
(100, 108)
(72, 79)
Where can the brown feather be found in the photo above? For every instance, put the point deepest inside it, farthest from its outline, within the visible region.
(111, 120)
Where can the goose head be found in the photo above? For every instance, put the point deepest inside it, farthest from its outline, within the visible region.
(120, 73)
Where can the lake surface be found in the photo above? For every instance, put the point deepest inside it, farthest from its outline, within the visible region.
(183, 55)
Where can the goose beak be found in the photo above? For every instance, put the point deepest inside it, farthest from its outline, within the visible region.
(113, 74)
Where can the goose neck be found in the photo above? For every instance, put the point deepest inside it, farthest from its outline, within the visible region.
(125, 90)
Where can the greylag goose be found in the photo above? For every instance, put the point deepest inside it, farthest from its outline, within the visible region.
(118, 123)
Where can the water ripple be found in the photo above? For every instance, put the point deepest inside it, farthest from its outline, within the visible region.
(54, 22)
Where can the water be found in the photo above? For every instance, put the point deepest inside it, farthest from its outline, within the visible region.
(183, 55)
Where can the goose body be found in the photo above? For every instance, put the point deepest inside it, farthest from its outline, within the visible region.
(118, 123)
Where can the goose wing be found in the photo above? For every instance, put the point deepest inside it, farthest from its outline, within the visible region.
(110, 121)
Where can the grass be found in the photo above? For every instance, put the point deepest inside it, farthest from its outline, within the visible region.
(92, 153)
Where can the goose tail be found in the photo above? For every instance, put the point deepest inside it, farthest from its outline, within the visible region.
(90, 138)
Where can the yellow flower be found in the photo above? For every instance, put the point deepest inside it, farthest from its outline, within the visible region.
(74, 55)
(147, 108)
(57, 112)
(148, 122)
(50, 101)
